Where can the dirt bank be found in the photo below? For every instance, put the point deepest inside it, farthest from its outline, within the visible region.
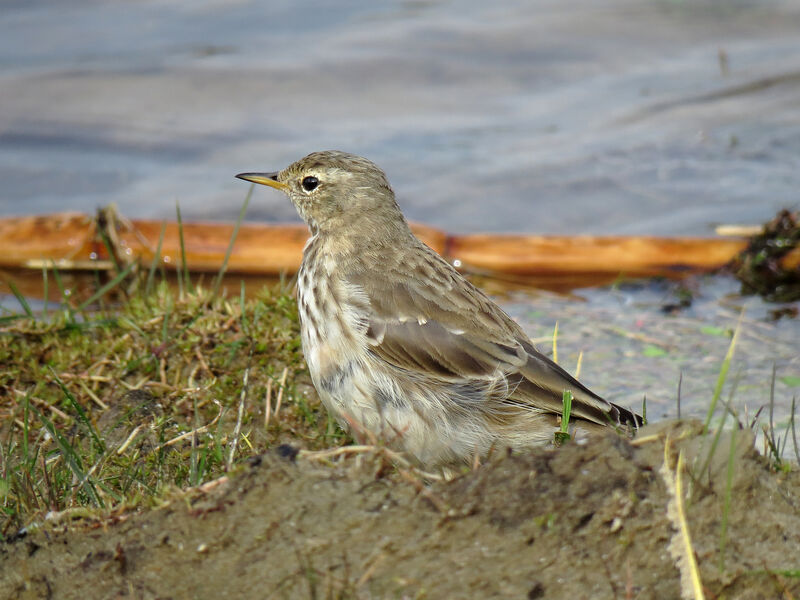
(576, 522)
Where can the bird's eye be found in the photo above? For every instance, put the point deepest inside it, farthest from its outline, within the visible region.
(310, 183)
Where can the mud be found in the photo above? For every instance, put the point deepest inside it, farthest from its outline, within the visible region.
(575, 522)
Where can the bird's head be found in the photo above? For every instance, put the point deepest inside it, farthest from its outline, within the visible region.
(333, 190)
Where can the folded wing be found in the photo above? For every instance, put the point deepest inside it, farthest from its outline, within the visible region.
(456, 335)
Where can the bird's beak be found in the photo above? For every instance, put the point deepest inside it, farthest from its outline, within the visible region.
(270, 179)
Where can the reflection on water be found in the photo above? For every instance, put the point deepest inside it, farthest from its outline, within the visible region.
(620, 117)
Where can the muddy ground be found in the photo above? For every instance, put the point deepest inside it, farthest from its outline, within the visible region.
(575, 522)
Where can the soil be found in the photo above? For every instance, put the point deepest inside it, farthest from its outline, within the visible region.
(589, 521)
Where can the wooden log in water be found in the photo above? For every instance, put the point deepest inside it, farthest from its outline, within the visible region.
(73, 241)
(634, 256)
(76, 241)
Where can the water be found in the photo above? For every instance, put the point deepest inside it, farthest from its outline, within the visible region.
(624, 117)
(634, 349)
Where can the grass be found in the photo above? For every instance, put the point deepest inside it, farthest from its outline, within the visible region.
(562, 435)
(773, 448)
(723, 374)
(109, 404)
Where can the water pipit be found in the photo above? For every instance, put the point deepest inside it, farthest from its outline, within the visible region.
(399, 344)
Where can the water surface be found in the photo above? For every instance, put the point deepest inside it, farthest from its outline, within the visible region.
(663, 117)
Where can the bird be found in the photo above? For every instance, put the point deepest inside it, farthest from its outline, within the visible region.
(400, 346)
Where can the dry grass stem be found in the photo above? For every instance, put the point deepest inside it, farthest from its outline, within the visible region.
(239, 415)
(191, 433)
(129, 439)
(267, 403)
(680, 546)
(281, 387)
(92, 395)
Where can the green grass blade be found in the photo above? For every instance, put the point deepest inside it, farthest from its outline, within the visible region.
(794, 431)
(723, 374)
(82, 416)
(102, 222)
(165, 325)
(562, 435)
(21, 299)
(772, 403)
(10, 319)
(65, 294)
(566, 400)
(184, 269)
(726, 505)
(224, 267)
(71, 458)
(107, 287)
(45, 290)
(25, 424)
(718, 432)
(242, 303)
(156, 260)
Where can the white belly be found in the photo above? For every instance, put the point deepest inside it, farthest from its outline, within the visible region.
(362, 393)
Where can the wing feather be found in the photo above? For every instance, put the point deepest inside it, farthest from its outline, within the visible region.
(445, 328)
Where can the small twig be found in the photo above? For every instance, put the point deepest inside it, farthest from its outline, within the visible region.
(43, 403)
(628, 580)
(183, 436)
(738, 230)
(214, 483)
(238, 428)
(637, 336)
(395, 457)
(326, 454)
(555, 343)
(138, 385)
(94, 378)
(202, 362)
(779, 582)
(794, 431)
(100, 363)
(437, 502)
(281, 384)
(476, 460)
(51, 502)
(646, 439)
(680, 546)
(267, 403)
(92, 395)
(370, 570)
(128, 441)
(190, 382)
(176, 381)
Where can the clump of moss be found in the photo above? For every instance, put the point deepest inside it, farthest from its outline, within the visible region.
(112, 406)
(769, 266)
